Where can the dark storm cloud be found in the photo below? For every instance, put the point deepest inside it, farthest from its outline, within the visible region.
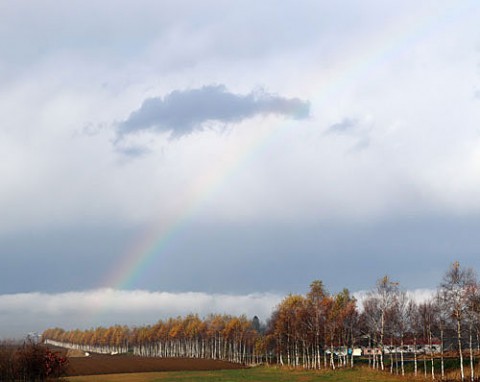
(182, 112)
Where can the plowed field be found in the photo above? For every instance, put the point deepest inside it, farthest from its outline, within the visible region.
(114, 364)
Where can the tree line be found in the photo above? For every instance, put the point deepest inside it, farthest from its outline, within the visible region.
(319, 330)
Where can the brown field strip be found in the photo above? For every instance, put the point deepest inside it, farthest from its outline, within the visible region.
(114, 364)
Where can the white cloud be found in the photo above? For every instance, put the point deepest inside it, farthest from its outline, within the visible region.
(22, 313)
(26, 312)
(419, 295)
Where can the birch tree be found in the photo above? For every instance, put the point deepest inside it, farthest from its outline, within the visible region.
(427, 317)
(402, 325)
(454, 290)
(443, 320)
(383, 298)
(472, 316)
(371, 317)
(316, 319)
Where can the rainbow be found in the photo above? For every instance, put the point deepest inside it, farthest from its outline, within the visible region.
(158, 237)
(366, 59)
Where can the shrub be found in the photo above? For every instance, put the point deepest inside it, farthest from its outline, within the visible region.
(30, 362)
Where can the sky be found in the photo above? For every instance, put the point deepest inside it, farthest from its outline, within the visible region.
(166, 157)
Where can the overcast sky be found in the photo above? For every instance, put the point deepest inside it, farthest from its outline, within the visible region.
(232, 149)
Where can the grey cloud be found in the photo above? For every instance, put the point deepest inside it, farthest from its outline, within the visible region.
(182, 112)
(351, 127)
(133, 151)
(345, 126)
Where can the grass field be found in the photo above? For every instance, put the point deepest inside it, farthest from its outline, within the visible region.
(260, 374)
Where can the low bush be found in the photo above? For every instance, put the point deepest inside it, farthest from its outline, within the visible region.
(30, 362)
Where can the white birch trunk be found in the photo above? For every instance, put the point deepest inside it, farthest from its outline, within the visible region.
(459, 337)
(402, 364)
(472, 372)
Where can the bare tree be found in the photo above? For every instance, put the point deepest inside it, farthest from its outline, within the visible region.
(454, 289)
(402, 316)
(387, 292)
(415, 329)
(371, 319)
(472, 316)
(443, 322)
(427, 317)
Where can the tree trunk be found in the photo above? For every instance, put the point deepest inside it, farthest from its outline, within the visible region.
(415, 363)
(382, 328)
(402, 365)
(431, 352)
(459, 337)
(332, 362)
(472, 372)
(442, 363)
(391, 355)
(425, 364)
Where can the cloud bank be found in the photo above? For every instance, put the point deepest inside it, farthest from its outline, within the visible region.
(22, 313)
(183, 112)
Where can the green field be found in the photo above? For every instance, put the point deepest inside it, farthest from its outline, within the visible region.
(260, 374)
